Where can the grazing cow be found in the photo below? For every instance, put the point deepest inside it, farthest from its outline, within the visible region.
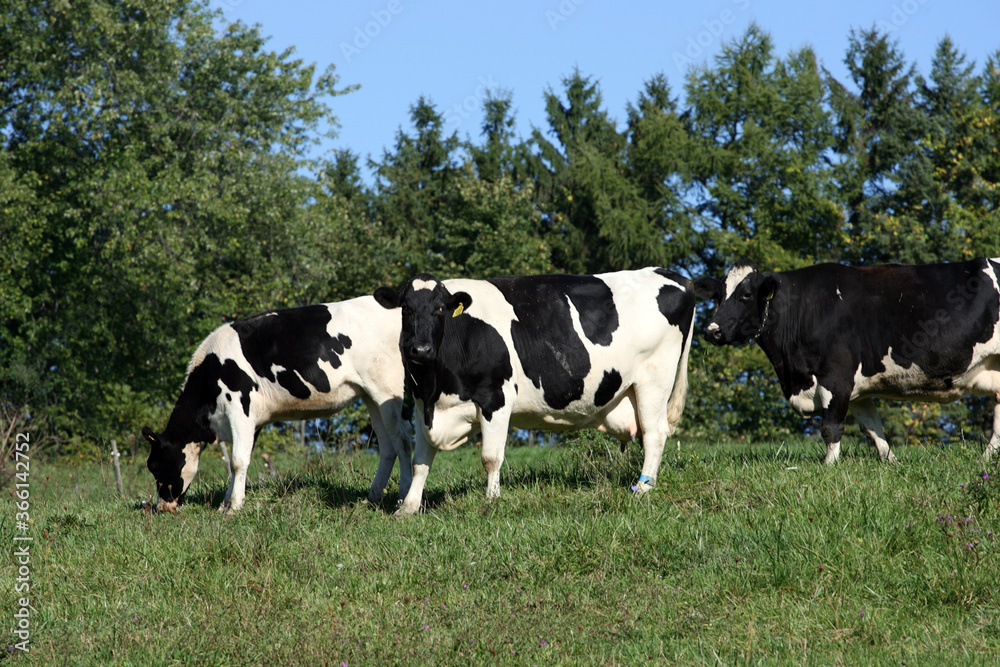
(300, 363)
(543, 352)
(839, 336)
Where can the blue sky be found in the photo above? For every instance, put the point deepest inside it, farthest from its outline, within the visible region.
(451, 52)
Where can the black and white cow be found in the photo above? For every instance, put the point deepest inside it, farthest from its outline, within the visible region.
(553, 352)
(839, 336)
(300, 363)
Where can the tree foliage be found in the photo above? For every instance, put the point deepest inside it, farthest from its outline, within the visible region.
(155, 182)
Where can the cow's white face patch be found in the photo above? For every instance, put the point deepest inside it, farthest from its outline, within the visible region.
(735, 277)
(423, 284)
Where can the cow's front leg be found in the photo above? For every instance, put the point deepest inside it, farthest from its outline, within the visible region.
(871, 425)
(832, 430)
(243, 441)
(994, 445)
(423, 458)
(494, 443)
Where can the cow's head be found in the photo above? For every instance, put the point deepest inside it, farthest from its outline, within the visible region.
(426, 305)
(173, 467)
(743, 300)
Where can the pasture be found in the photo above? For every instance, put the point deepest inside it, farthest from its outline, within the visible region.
(743, 554)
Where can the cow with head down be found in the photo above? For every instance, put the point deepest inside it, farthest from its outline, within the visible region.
(301, 363)
(839, 336)
(556, 352)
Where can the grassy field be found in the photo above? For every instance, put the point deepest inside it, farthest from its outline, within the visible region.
(742, 555)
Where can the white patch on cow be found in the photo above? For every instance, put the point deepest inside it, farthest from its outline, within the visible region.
(839, 295)
(735, 277)
(811, 400)
(713, 326)
(192, 453)
(909, 384)
(423, 284)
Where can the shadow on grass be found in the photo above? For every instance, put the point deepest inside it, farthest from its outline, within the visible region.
(585, 462)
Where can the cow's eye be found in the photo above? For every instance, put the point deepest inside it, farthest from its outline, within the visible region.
(746, 296)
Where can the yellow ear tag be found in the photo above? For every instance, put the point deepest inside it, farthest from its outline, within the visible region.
(458, 311)
(151, 438)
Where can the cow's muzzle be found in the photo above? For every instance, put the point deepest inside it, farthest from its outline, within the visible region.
(421, 353)
(714, 333)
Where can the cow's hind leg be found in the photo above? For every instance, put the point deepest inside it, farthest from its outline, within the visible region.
(244, 437)
(391, 444)
(651, 403)
(871, 425)
(994, 445)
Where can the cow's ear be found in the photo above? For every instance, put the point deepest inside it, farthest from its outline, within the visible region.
(459, 303)
(708, 288)
(766, 290)
(149, 435)
(387, 297)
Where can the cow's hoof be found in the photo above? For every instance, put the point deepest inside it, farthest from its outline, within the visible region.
(641, 488)
(406, 511)
(229, 510)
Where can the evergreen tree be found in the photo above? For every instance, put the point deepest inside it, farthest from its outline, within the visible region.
(414, 183)
(595, 215)
(892, 202)
(760, 142)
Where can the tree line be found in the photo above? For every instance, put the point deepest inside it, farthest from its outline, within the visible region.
(156, 181)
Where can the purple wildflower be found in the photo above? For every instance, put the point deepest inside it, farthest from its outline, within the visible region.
(544, 643)
(861, 613)
(426, 627)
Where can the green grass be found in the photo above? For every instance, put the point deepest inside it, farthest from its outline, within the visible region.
(741, 555)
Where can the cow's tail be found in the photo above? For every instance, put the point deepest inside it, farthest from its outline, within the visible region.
(675, 404)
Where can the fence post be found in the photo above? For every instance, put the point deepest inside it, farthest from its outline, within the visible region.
(115, 458)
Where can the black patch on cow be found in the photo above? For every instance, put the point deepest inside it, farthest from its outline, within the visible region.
(930, 315)
(610, 384)
(550, 350)
(237, 380)
(473, 362)
(295, 339)
(676, 303)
